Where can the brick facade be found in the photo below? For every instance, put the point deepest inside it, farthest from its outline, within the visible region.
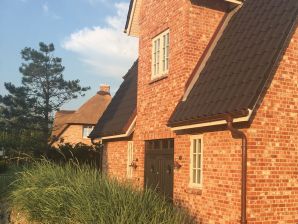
(73, 135)
(272, 136)
(115, 158)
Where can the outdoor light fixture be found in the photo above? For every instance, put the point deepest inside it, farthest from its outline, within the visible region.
(177, 165)
(134, 164)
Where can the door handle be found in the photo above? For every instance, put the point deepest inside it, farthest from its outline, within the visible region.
(152, 169)
(169, 169)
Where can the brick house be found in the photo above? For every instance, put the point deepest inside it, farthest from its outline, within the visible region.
(213, 122)
(75, 126)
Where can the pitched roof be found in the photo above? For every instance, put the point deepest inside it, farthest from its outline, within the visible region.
(91, 111)
(88, 113)
(60, 121)
(240, 65)
(122, 110)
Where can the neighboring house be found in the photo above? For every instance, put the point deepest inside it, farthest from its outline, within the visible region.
(216, 120)
(75, 126)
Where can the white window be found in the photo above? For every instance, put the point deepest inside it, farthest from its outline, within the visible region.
(160, 54)
(129, 159)
(87, 129)
(196, 161)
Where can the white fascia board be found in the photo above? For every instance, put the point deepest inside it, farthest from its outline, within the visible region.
(235, 2)
(128, 132)
(131, 16)
(213, 123)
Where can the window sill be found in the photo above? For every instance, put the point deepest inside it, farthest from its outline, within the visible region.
(158, 78)
(191, 190)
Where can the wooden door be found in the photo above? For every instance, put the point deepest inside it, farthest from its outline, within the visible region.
(159, 161)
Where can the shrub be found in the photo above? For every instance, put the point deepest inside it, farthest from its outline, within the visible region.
(7, 178)
(80, 153)
(3, 166)
(49, 193)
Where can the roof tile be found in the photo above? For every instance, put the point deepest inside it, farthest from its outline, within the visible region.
(121, 109)
(241, 62)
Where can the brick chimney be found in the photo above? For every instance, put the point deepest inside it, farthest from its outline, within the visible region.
(104, 88)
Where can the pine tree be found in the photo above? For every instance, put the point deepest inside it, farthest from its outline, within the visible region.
(43, 91)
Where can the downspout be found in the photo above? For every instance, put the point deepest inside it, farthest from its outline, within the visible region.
(237, 134)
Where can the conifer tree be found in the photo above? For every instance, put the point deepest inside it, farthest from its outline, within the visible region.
(43, 91)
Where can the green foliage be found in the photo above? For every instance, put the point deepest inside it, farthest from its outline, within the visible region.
(42, 75)
(3, 166)
(6, 180)
(19, 140)
(49, 193)
(17, 108)
(43, 91)
(80, 153)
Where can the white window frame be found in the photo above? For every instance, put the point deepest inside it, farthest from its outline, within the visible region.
(89, 129)
(192, 166)
(130, 152)
(160, 54)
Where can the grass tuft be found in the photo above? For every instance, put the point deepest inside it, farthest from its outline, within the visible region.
(49, 193)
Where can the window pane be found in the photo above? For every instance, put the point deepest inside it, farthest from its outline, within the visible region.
(168, 39)
(194, 160)
(167, 64)
(164, 53)
(158, 56)
(199, 161)
(167, 51)
(198, 176)
(160, 51)
(194, 176)
(129, 159)
(194, 146)
(199, 145)
(84, 132)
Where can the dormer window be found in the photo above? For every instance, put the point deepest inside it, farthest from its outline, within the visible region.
(87, 129)
(160, 55)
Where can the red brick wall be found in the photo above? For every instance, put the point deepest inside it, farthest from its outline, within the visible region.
(73, 135)
(219, 199)
(273, 147)
(272, 159)
(272, 165)
(191, 27)
(272, 137)
(115, 158)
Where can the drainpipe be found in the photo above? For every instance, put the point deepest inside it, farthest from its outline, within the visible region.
(237, 134)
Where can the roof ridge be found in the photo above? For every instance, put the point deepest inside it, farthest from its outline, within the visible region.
(131, 68)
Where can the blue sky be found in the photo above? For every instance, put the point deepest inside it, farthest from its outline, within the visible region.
(87, 34)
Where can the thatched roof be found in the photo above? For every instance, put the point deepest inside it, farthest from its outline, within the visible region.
(88, 114)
